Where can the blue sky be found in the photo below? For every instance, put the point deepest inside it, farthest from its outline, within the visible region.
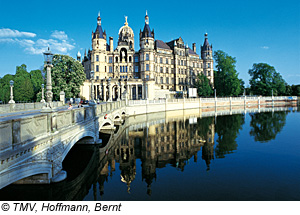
(252, 31)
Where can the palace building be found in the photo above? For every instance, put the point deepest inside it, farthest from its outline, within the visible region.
(157, 70)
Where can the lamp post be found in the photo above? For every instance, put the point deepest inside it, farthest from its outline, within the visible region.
(11, 101)
(92, 85)
(215, 93)
(48, 56)
(43, 99)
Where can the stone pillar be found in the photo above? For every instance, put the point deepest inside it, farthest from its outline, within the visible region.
(143, 91)
(109, 91)
(129, 91)
(136, 92)
(119, 91)
(104, 91)
(62, 97)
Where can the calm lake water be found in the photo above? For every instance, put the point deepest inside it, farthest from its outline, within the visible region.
(249, 156)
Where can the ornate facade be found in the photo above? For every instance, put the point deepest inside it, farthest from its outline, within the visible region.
(158, 70)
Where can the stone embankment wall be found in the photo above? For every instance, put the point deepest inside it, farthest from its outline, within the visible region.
(137, 107)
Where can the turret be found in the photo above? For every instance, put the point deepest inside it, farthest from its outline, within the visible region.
(99, 31)
(78, 56)
(206, 49)
(147, 36)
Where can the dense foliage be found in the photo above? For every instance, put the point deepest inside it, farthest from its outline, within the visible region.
(226, 78)
(26, 85)
(265, 79)
(203, 86)
(67, 75)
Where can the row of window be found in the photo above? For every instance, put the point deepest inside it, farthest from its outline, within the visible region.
(110, 59)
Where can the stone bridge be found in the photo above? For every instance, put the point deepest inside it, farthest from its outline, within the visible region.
(33, 147)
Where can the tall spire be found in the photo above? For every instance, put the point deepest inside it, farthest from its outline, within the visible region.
(147, 18)
(99, 19)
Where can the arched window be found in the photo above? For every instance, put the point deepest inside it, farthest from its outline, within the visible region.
(117, 59)
(130, 59)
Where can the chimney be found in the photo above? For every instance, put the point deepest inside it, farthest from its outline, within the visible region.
(111, 44)
(194, 47)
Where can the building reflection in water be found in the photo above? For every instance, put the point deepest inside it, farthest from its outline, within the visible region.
(158, 145)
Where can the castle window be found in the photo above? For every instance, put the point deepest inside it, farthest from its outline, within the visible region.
(147, 56)
(136, 59)
(147, 67)
(136, 69)
(110, 69)
(161, 80)
(97, 57)
(110, 60)
(97, 68)
(105, 68)
(105, 58)
(121, 69)
(130, 59)
(167, 80)
(117, 59)
(208, 65)
(161, 70)
(162, 87)
(126, 69)
(161, 60)
(167, 61)
(167, 70)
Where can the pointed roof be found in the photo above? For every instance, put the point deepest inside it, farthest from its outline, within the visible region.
(99, 30)
(147, 31)
(206, 46)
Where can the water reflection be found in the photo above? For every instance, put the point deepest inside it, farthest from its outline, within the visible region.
(137, 151)
(265, 126)
(227, 128)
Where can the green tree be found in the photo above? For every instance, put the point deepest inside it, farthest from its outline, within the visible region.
(37, 80)
(264, 79)
(296, 90)
(23, 88)
(226, 78)
(5, 87)
(203, 86)
(67, 75)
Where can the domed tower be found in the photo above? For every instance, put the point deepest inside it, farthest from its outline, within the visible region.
(207, 57)
(126, 36)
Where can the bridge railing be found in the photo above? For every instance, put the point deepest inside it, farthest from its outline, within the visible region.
(7, 108)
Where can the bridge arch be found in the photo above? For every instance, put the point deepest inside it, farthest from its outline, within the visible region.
(25, 170)
(75, 139)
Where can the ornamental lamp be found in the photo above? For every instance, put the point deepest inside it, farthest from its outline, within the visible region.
(43, 86)
(48, 56)
(11, 83)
